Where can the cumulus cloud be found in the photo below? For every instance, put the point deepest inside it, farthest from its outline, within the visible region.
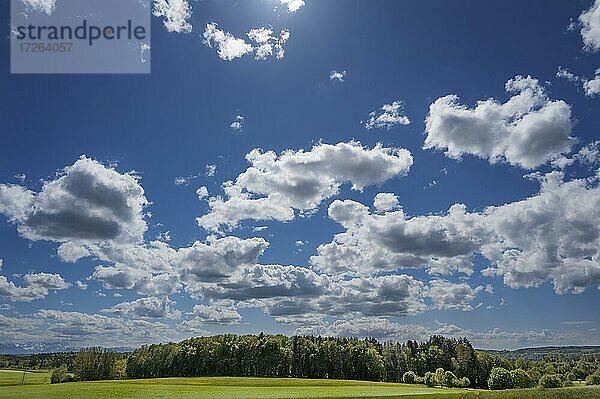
(215, 314)
(452, 296)
(175, 13)
(151, 307)
(211, 170)
(390, 241)
(590, 27)
(551, 236)
(588, 156)
(238, 123)
(384, 202)
(38, 285)
(45, 6)
(528, 130)
(592, 87)
(292, 5)
(202, 192)
(337, 75)
(229, 47)
(87, 202)
(292, 291)
(275, 187)
(387, 117)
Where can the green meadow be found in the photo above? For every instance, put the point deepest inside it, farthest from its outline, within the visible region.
(17, 377)
(258, 388)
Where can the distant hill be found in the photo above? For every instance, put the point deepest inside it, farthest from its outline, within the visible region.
(32, 348)
(564, 352)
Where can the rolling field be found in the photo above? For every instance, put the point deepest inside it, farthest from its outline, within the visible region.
(15, 377)
(258, 388)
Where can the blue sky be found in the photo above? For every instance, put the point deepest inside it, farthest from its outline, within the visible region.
(523, 274)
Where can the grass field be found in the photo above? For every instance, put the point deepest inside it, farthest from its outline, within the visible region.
(259, 388)
(15, 377)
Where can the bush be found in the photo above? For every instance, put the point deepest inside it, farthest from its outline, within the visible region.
(464, 382)
(420, 380)
(499, 379)
(59, 375)
(429, 379)
(593, 379)
(550, 381)
(571, 376)
(520, 379)
(449, 379)
(567, 383)
(409, 377)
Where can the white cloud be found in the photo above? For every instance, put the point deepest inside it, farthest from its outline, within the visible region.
(275, 186)
(386, 202)
(228, 46)
(565, 73)
(291, 291)
(551, 236)
(211, 170)
(215, 314)
(151, 307)
(337, 76)
(45, 6)
(87, 202)
(590, 30)
(238, 123)
(528, 130)
(38, 285)
(390, 241)
(588, 155)
(267, 43)
(292, 5)
(80, 285)
(202, 192)
(452, 296)
(592, 87)
(176, 14)
(387, 117)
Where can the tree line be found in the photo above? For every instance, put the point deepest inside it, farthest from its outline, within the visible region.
(439, 361)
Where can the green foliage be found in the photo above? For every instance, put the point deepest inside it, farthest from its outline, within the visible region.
(95, 364)
(409, 377)
(570, 376)
(593, 379)
(550, 381)
(449, 380)
(59, 375)
(464, 382)
(520, 379)
(429, 379)
(500, 378)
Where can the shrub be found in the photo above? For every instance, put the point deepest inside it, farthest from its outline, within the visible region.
(429, 379)
(499, 379)
(409, 377)
(59, 375)
(449, 379)
(550, 381)
(567, 383)
(464, 382)
(571, 376)
(593, 379)
(520, 379)
(419, 380)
